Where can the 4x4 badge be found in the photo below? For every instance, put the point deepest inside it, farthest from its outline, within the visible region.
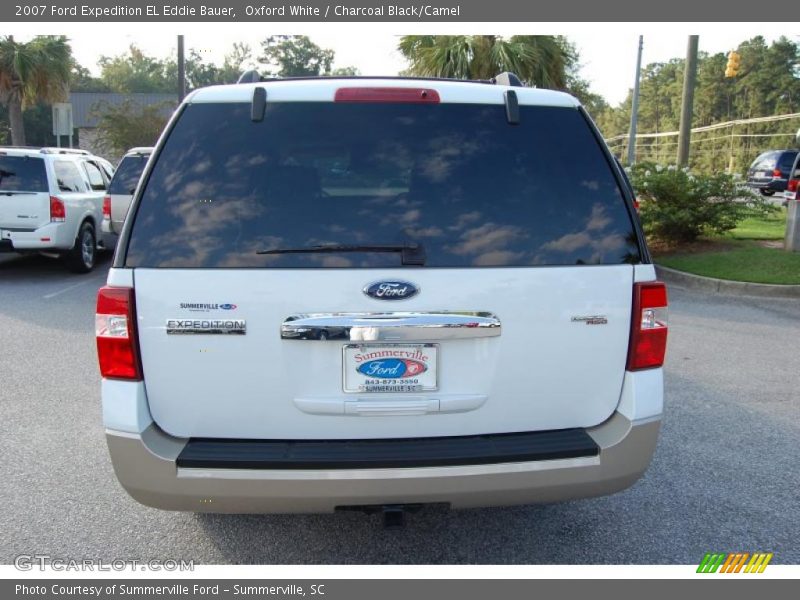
(391, 290)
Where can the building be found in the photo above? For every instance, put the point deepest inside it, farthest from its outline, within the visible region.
(88, 106)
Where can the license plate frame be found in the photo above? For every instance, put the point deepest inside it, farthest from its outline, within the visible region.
(357, 382)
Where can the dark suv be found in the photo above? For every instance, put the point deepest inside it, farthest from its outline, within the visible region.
(769, 172)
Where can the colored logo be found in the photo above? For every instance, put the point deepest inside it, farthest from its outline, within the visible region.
(227, 306)
(735, 562)
(391, 290)
(392, 368)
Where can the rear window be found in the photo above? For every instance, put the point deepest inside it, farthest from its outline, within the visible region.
(458, 179)
(768, 160)
(22, 174)
(127, 175)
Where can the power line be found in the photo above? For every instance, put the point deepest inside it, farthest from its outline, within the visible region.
(769, 119)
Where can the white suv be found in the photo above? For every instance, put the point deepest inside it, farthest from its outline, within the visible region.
(378, 293)
(121, 189)
(51, 201)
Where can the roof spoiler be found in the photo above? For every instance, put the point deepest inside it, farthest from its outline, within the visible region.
(506, 78)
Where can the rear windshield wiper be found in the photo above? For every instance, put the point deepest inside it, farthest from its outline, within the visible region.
(411, 253)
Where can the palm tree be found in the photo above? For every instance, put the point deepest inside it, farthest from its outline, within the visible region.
(539, 60)
(32, 72)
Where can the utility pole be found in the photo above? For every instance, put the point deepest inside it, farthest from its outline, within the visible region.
(687, 103)
(635, 106)
(181, 70)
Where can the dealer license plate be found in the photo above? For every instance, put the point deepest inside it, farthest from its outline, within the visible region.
(396, 368)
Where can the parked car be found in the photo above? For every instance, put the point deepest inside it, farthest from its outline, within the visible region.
(769, 173)
(51, 201)
(499, 329)
(123, 185)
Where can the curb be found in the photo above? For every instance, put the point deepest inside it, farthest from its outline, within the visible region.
(724, 286)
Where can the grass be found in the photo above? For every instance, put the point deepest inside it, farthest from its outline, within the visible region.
(767, 228)
(741, 255)
(746, 261)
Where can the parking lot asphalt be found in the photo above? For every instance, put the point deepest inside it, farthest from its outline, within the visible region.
(725, 476)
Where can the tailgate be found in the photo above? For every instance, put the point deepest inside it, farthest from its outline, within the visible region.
(24, 192)
(556, 360)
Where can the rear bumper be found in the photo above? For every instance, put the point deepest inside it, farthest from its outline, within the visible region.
(776, 185)
(146, 466)
(53, 236)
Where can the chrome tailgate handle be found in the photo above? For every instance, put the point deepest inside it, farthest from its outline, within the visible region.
(390, 326)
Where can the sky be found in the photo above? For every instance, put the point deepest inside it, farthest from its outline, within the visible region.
(607, 51)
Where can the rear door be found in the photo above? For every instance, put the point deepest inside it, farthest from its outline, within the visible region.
(24, 192)
(281, 292)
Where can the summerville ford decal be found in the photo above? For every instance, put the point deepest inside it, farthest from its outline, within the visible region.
(206, 326)
(392, 368)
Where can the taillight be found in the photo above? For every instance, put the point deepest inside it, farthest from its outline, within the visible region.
(792, 185)
(776, 173)
(636, 204)
(107, 207)
(58, 213)
(115, 329)
(378, 94)
(648, 342)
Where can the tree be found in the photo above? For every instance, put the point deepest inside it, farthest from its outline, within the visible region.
(32, 72)
(135, 72)
(295, 56)
(345, 72)
(767, 84)
(127, 125)
(236, 62)
(81, 80)
(539, 60)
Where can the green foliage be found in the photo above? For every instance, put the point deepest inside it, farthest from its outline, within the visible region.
(677, 206)
(35, 71)
(135, 72)
(30, 73)
(539, 60)
(345, 72)
(128, 125)
(38, 122)
(295, 56)
(767, 84)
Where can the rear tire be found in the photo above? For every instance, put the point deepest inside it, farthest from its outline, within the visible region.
(766, 192)
(82, 257)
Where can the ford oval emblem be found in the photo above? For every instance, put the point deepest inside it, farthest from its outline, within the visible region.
(391, 290)
(392, 368)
